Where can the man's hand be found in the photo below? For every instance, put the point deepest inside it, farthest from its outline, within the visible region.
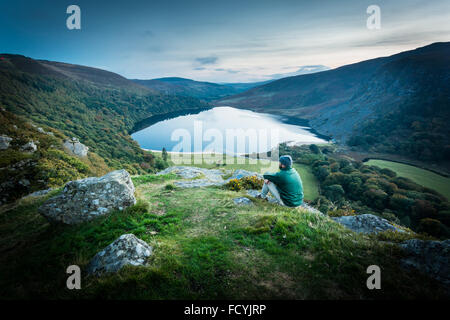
(266, 181)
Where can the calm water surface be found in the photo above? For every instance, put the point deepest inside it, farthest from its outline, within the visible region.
(207, 131)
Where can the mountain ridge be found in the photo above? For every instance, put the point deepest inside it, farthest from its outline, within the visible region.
(344, 102)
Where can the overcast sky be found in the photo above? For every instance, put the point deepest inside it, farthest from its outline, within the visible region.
(220, 41)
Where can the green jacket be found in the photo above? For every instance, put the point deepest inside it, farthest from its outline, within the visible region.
(289, 185)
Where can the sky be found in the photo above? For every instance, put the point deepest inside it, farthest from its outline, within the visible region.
(218, 41)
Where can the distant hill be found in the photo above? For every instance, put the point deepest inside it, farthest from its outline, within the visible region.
(212, 91)
(189, 88)
(394, 104)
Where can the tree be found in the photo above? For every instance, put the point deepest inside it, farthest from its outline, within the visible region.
(164, 154)
(314, 149)
(334, 193)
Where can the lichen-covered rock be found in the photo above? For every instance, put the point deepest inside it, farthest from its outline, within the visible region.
(4, 142)
(366, 223)
(205, 177)
(242, 201)
(76, 147)
(29, 147)
(430, 257)
(86, 199)
(307, 207)
(125, 250)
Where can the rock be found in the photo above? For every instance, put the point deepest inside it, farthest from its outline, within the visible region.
(24, 182)
(29, 147)
(429, 257)
(126, 250)
(39, 193)
(86, 199)
(197, 183)
(242, 201)
(366, 223)
(211, 177)
(76, 147)
(254, 193)
(4, 142)
(307, 207)
(40, 130)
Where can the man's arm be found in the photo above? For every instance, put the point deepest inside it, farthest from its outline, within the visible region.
(272, 177)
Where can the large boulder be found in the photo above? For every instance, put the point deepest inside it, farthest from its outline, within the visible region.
(126, 250)
(4, 142)
(86, 199)
(76, 147)
(430, 257)
(366, 223)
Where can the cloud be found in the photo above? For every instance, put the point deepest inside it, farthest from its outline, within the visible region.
(207, 60)
(300, 71)
(227, 70)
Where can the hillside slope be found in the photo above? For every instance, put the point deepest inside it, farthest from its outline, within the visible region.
(95, 106)
(189, 88)
(204, 247)
(389, 104)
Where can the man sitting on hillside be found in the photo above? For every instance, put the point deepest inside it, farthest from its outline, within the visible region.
(285, 185)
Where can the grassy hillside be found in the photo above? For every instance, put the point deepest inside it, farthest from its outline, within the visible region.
(189, 88)
(205, 247)
(98, 107)
(420, 176)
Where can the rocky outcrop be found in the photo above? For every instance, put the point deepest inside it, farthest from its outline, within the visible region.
(4, 142)
(76, 147)
(126, 250)
(242, 201)
(29, 147)
(429, 257)
(204, 177)
(86, 199)
(366, 223)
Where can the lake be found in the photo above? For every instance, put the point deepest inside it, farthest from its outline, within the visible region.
(222, 130)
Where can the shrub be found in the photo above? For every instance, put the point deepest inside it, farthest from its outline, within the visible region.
(341, 212)
(233, 185)
(170, 187)
(334, 193)
(314, 149)
(249, 182)
(433, 228)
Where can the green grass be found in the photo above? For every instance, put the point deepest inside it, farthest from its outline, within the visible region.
(205, 247)
(420, 176)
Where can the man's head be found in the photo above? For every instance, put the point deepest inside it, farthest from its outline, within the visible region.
(285, 162)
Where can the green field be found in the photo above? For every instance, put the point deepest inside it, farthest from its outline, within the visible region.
(310, 183)
(420, 176)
